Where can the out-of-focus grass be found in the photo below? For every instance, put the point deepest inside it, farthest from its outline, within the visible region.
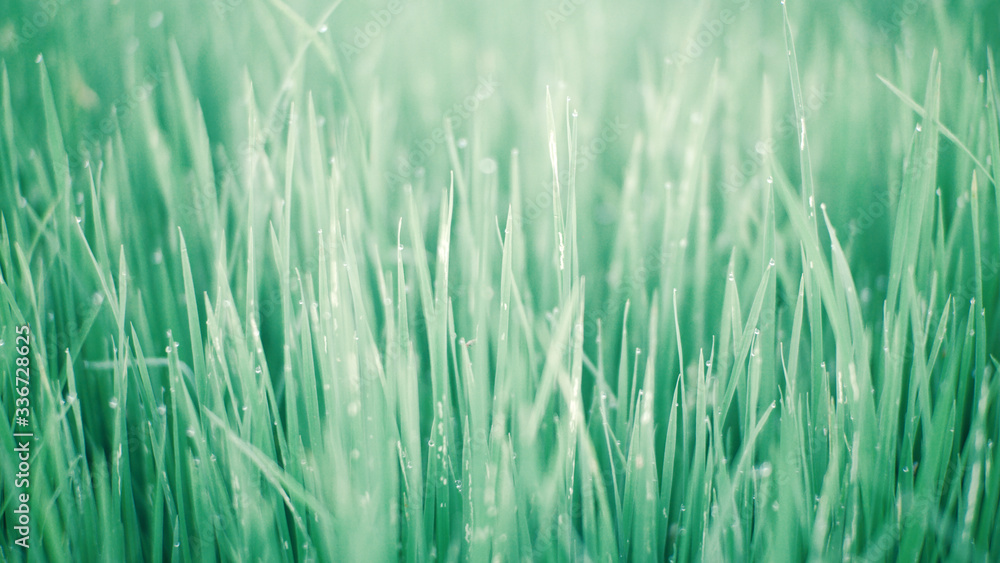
(503, 281)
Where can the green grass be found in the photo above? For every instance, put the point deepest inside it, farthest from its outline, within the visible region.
(362, 281)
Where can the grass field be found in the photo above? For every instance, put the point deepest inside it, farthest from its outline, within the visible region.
(570, 280)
